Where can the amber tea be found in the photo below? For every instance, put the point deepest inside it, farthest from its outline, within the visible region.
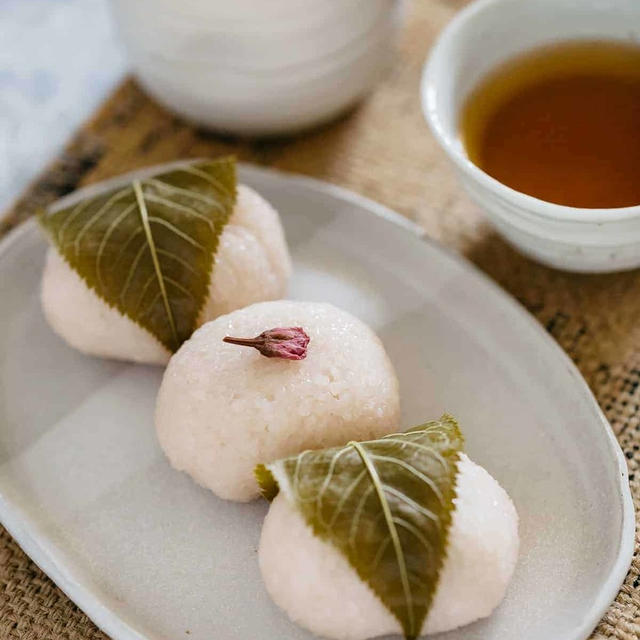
(561, 123)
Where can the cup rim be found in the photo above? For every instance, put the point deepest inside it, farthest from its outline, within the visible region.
(428, 93)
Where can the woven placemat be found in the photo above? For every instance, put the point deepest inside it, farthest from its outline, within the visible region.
(384, 151)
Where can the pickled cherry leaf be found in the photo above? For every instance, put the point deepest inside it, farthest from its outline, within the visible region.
(147, 246)
(385, 504)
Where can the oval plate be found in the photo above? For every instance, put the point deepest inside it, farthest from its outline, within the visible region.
(86, 491)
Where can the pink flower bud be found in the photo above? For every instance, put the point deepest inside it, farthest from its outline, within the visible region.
(289, 343)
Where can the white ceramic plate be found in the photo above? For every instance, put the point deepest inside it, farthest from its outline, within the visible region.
(85, 489)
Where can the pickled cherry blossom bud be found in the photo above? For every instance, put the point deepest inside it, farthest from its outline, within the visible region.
(289, 343)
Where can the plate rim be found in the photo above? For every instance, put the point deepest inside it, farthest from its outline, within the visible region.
(48, 558)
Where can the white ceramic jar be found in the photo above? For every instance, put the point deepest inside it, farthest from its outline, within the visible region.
(481, 37)
(258, 67)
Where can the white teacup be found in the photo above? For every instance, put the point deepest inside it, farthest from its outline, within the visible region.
(481, 37)
(258, 67)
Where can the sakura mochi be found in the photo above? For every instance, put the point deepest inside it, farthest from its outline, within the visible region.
(132, 273)
(315, 585)
(401, 535)
(268, 381)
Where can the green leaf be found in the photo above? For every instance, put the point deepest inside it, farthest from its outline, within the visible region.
(147, 246)
(385, 504)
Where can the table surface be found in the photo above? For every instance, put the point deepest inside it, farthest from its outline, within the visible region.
(46, 89)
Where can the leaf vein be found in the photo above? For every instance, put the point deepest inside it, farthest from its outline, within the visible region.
(412, 503)
(205, 176)
(195, 195)
(180, 287)
(418, 474)
(96, 216)
(144, 216)
(132, 270)
(174, 229)
(417, 445)
(345, 496)
(114, 224)
(177, 258)
(397, 545)
(180, 207)
(325, 485)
